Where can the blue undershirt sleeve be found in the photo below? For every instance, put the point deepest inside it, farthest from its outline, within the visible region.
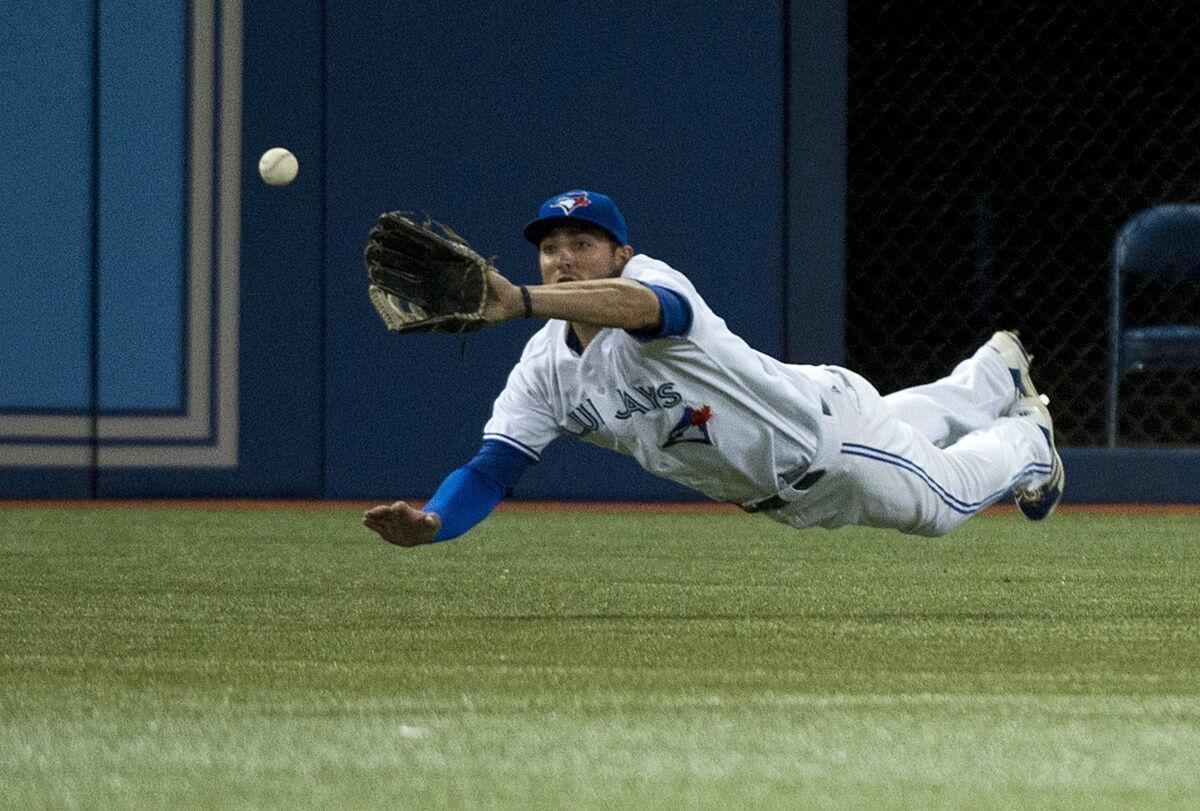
(470, 493)
(676, 315)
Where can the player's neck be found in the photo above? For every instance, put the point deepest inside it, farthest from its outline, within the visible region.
(585, 333)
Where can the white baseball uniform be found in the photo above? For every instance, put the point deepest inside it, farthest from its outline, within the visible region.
(807, 445)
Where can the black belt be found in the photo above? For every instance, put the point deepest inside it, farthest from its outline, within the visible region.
(776, 501)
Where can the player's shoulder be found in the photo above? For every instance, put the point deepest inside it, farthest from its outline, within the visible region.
(654, 271)
(646, 269)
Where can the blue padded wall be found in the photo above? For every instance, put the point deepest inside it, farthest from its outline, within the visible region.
(476, 114)
(279, 234)
(143, 99)
(718, 128)
(131, 139)
(45, 205)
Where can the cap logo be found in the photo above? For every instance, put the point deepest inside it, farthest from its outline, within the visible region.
(570, 202)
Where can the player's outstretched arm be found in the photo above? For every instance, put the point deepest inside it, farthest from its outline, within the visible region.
(618, 303)
(402, 524)
(466, 497)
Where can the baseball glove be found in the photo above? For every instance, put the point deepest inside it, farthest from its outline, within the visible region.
(424, 277)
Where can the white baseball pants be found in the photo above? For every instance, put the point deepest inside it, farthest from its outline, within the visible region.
(925, 459)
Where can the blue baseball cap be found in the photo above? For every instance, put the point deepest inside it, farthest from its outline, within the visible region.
(573, 207)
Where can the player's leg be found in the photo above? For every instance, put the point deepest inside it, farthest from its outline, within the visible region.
(979, 390)
(896, 477)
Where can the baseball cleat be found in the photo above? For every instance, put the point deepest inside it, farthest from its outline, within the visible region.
(1037, 505)
(1013, 355)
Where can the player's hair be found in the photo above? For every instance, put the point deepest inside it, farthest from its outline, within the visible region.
(584, 227)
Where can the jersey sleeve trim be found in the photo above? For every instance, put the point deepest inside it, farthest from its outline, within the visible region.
(522, 447)
(676, 314)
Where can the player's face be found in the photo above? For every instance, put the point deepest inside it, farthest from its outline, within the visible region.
(571, 254)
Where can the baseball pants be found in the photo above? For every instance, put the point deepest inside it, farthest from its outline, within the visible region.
(925, 459)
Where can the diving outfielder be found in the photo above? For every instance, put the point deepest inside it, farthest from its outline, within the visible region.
(633, 359)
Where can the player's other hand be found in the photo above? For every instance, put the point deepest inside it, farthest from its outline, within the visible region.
(402, 524)
(503, 300)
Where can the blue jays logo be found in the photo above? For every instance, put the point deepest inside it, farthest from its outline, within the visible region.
(692, 427)
(570, 202)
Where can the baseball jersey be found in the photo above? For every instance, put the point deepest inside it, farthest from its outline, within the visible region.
(703, 409)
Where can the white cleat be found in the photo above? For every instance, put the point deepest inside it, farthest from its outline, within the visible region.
(1036, 505)
(1013, 355)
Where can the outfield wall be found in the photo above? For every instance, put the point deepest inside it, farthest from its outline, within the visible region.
(173, 327)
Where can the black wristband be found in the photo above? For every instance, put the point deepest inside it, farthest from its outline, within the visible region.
(528, 301)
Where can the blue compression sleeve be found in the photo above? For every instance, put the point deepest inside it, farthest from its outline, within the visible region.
(465, 498)
(470, 493)
(501, 462)
(676, 315)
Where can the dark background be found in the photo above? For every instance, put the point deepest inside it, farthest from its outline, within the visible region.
(994, 151)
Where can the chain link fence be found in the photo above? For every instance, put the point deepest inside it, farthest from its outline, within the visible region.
(995, 149)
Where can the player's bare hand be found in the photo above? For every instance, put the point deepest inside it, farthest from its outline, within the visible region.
(402, 524)
(504, 299)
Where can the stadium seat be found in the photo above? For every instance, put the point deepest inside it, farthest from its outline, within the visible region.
(1160, 249)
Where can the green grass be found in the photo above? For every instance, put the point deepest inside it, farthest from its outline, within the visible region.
(277, 658)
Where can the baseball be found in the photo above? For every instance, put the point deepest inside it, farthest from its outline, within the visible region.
(278, 167)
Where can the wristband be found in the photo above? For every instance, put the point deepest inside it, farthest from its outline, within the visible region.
(528, 302)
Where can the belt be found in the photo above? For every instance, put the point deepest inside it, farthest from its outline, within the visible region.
(801, 479)
(776, 501)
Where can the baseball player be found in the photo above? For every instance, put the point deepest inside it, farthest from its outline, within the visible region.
(633, 359)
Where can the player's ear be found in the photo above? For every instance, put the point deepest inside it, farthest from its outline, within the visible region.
(625, 253)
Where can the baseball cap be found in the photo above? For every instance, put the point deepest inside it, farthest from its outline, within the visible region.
(574, 206)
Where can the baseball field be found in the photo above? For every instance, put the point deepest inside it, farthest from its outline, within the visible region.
(287, 657)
